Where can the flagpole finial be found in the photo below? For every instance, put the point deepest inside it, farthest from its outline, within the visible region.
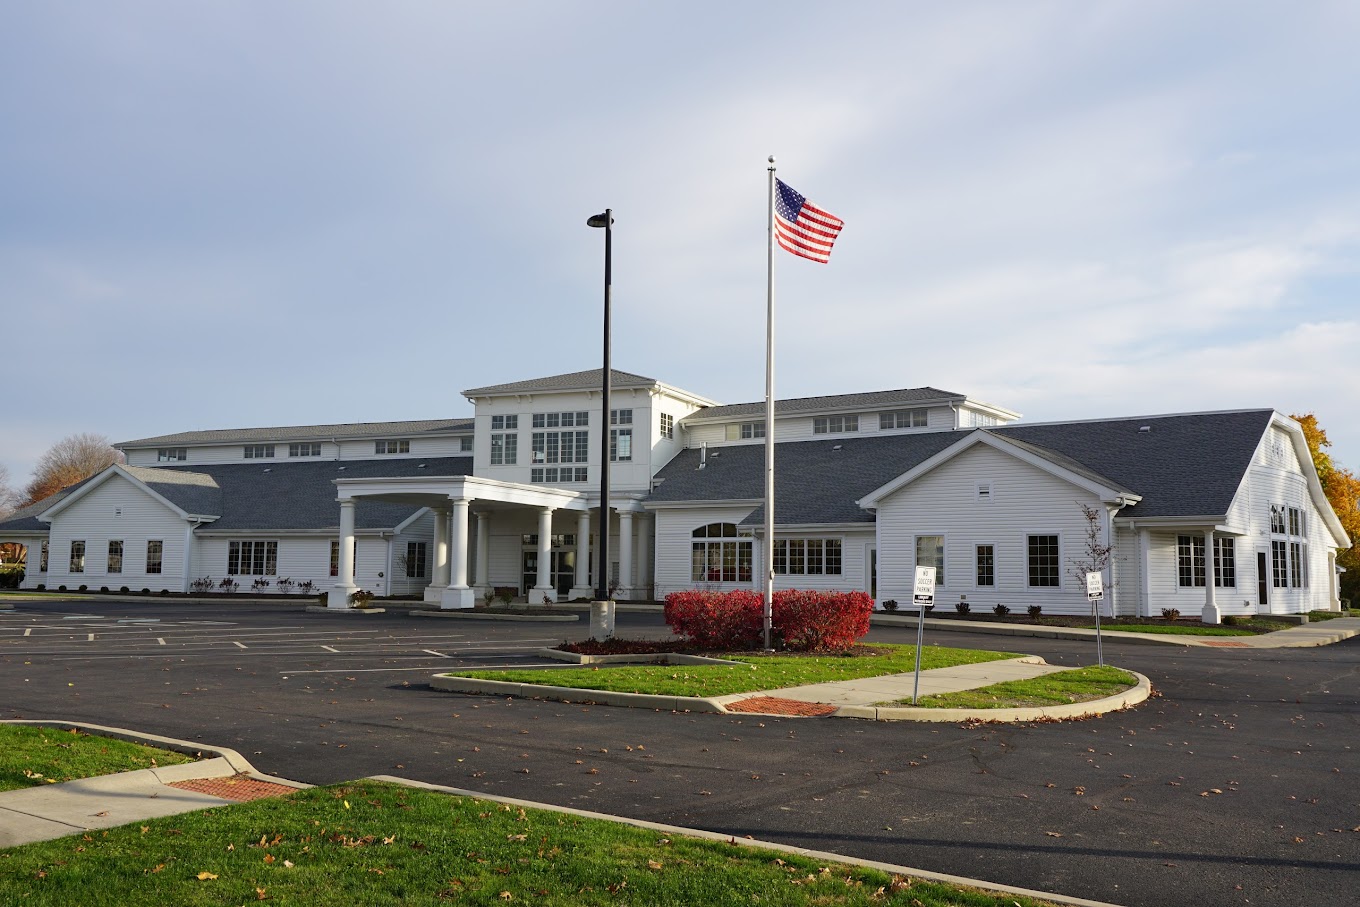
(772, 162)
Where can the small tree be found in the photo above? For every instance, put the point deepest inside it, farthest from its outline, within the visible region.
(1096, 554)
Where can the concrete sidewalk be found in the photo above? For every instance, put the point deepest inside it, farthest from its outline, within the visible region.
(1321, 633)
(896, 687)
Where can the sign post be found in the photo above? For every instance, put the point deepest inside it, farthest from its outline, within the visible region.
(1095, 591)
(923, 596)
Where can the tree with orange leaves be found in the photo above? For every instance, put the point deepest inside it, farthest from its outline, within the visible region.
(1342, 488)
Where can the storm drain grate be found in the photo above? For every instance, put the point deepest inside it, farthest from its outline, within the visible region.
(770, 705)
(239, 788)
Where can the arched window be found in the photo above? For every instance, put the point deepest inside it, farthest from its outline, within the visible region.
(719, 556)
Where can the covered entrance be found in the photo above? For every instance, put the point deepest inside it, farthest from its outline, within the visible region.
(561, 571)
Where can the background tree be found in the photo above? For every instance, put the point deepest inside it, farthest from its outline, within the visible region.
(10, 498)
(69, 461)
(1342, 488)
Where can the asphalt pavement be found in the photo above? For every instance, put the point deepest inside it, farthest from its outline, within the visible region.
(1233, 785)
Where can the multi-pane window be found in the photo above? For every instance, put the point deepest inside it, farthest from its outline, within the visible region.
(807, 557)
(986, 565)
(308, 449)
(155, 554)
(465, 445)
(253, 558)
(745, 431)
(391, 447)
(504, 423)
(830, 425)
(667, 426)
(42, 563)
(504, 449)
(1225, 563)
(1295, 521)
(973, 419)
(259, 451)
(578, 419)
(415, 559)
(1277, 519)
(115, 564)
(930, 553)
(1042, 556)
(554, 474)
(560, 540)
(907, 418)
(1288, 556)
(1279, 563)
(335, 555)
(172, 454)
(78, 556)
(1189, 561)
(719, 556)
(1295, 564)
(620, 445)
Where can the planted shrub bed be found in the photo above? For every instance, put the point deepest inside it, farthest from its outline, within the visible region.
(804, 620)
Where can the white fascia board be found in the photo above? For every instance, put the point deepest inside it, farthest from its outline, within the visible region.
(324, 533)
(471, 488)
(991, 409)
(818, 528)
(829, 410)
(18, 536)
(1305, 458)
(981, 436)
(691, 505)
(1216, 522)
(401, 527)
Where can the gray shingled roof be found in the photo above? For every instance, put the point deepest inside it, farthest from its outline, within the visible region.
(902, 397)
(1187, 465)
(193, 492)
(307, 433)
(587, 380)
(25, 519)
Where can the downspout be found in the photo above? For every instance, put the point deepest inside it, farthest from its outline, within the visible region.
(1110, 511)
(188, 555)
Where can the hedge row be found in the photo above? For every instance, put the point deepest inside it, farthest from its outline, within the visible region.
(803, 620)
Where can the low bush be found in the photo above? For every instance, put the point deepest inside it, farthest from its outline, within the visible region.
(1035, 611)
(962, 607)
(804, 620)
(228, 585)
(11, 575)
(890, 605)
(84, 588)
(148, 591)
(361, 598)
(1170, 614)
(123, 590)
(1230, 620)
(1001, 610)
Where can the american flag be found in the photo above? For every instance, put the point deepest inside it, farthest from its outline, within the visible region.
(801, 227)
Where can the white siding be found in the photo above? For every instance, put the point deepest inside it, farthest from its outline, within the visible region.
(1024, 501)
(421, 530)
(229, 453)
(33, 576)
(117, 509)
(800, 427)
(674, 537)
(420, 447)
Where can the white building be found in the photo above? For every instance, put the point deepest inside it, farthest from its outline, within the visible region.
(867, 487)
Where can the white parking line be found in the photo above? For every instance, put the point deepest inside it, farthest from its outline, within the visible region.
(28, 632)
(241, 645)
(91, 639)
(433, 652)
(331, 649)
(160, 639)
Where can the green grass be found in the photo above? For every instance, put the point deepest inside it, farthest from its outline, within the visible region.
(32, 756)
(1332, 615)
(1060, 688)
(377, 844)
(1177, 629)
(754, 672)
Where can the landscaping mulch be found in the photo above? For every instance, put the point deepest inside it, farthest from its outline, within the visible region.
(772, 705)
(237, 788)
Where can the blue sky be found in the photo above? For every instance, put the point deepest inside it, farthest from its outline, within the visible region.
(218, 215)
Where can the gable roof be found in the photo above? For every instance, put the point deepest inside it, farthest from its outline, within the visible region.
(587, 380)
(25, 519)
(348, 430)
(901, 397)
(1184, 465)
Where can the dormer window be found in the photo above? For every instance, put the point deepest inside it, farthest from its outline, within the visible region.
(259, 451)
(834, 425)
(745, 431)
(391, 447)
(172, 455)
(906, 418)
(307, 449)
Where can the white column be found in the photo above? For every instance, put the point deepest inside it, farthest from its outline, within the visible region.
(338, 596)
(483, 577)
(1144, 573)
(1210, 614)
(644, 555)
(543, 589)
(581, 588)
(439, 565)
(189, 551)
(458, 594)
(625, 554)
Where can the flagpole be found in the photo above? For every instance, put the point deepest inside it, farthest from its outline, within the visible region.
(768, 549)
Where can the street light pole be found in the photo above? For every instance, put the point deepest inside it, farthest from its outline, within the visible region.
(605, 220)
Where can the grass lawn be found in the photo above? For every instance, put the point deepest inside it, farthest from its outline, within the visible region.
(1331, 615)
(754, 672)
(1178, 629)
(1059, 688)
(378, 844)
(31, 756)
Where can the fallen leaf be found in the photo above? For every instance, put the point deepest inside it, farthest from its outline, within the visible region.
(205, 875)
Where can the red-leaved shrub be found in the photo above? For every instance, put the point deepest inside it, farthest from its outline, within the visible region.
(803, 620)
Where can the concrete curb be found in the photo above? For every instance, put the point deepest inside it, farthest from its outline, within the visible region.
(323, 609)
(818, 855)
(231, 762)
(469, 614)
(994, 629)
(449, 684)
(1090, 709)
(659, 658)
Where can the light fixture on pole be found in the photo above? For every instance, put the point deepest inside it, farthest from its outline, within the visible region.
(605, 220)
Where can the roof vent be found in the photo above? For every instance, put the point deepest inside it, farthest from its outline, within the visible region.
(1142, 428)
(716, 453)
(835, 447)
(342, 468)
(267, 469)
(420, 466)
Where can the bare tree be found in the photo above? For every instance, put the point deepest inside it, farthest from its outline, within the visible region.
(10, 498)
(69, 461)
(1095, 556)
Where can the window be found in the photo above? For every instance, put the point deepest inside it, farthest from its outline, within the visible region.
(504, 450)
(78, 556)
(1295, 521)
(42, 561)
(1289, 557)
(1189, 561)
(986, 565)
(553, 474)
(719, 556)
(930, 553)
(560, 540)
(907, 418)
(259, 451)
(155, 552)
(415, 559)
(549, 447)
(620, 417)
(335, 556)
(310, 449)
(620, 445)
(807, 557)
(1225, 563)
(391, 447)
(745, 431)
(561, 420)
(172, 454)
(1279, 564)
(1276, 519)
(831, 425)
(252, 558)
(1295, 565)
(504, 423)
(115, 556)
(972, 419)
(1043, 560)
(667, 426)
(465, 445)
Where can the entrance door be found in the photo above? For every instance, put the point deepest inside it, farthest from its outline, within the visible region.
(561, 571)
(1263, 581)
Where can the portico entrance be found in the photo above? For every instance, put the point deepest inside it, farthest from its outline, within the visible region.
(561, 571)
